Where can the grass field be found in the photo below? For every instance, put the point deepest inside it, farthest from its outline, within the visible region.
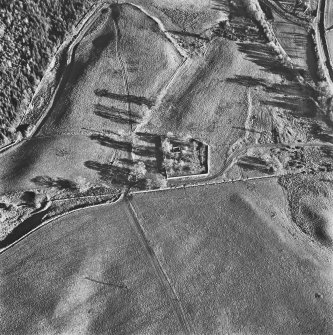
(215, 107)
(231, 257)
(106, 90)
(328, 15)
(212, 259)
(52, 157)
(294, 40)
(31, 32)
(237, 261)
(139, 65)
(91, 277)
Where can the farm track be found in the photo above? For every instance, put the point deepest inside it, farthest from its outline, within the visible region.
(162, 275)
(122, 62)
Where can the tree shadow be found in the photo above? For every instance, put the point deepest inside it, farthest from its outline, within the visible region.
(262, 55)
(222, 5)
(108, 172)
(292, 96)
(119, 176)
(254, 163)
(59, 183)
(109, 142)
(298, 107)
(116, 114)
(150, 165)
(158, 153)
(101, 42)
(187, 34)
(318, 132)
(124, 97)
(124, 175)
(327, 151)
(246, 129)
(248, 81)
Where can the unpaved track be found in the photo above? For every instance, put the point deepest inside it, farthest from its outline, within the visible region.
(115, 16)
(172, 294)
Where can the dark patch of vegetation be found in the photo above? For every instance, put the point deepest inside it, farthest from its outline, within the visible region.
(308, 197)
(28, 198)
(120, 176)
(239, 28)
(22, 229)
(59, 183)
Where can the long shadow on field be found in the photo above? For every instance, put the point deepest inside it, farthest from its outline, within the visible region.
(157, 141)
(291, 96)
(124, 97)
(321, 134)
(111, 143)
(265, 57)
(254, 163)
(59, 183)
(119, 176)
(222, 5)
(127, 174)
(116, 114)
(108, 172)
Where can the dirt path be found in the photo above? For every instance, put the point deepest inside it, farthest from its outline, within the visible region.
(115, 17)
(170, 290)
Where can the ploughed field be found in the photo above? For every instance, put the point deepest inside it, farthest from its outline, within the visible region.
(200, 260)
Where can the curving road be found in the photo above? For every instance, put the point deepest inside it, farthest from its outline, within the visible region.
(324, 49)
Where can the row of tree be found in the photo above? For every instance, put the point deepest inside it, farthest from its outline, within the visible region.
(255, 11)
